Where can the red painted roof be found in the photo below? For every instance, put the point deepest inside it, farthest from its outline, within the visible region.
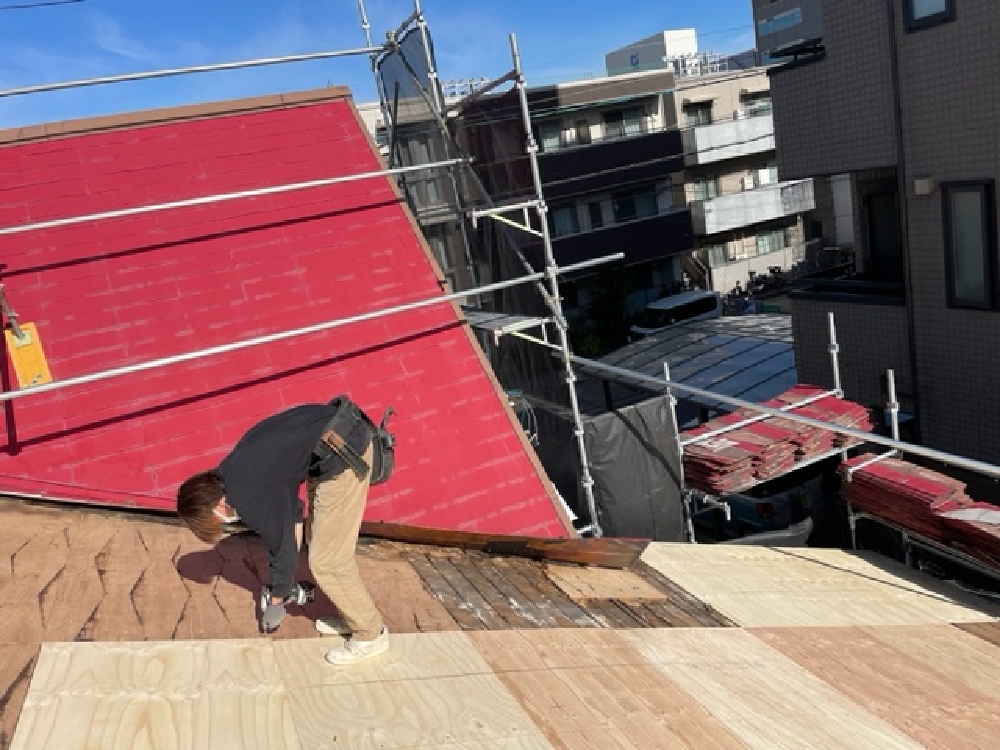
(123, 291)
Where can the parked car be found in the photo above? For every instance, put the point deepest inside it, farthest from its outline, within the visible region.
(665, 312)
(754, 515)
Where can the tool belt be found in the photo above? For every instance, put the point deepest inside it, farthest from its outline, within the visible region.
(345, 439)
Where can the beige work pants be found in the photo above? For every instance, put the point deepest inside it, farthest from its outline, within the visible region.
(336, 508)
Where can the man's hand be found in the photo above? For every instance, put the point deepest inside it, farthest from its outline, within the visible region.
(272, 616)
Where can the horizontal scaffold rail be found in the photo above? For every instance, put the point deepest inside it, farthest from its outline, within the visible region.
(660, 384)
(294, 333)
(220, 198)
(40, 88)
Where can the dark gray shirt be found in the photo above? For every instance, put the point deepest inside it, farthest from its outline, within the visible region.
(262, 475)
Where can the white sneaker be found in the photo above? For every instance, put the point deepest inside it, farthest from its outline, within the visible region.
(332, 626)
(354, 651)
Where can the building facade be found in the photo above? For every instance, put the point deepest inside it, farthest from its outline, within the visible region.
(745, 220)
(611, 163)
(916, 135)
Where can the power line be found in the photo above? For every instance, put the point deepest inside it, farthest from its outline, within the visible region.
(28, 6)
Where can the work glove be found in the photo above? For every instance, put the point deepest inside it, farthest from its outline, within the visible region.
(271, 615)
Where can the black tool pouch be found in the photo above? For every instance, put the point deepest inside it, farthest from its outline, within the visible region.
(345, 439)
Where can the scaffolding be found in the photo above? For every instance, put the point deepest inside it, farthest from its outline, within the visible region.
(545, 280)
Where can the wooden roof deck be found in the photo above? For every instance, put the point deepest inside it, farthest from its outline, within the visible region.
(125, 631)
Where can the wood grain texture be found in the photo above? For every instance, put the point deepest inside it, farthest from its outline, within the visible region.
(474, 708)
(988, 631)
(398, 592)
(762, 697)
(411, 656)
(527, 650)
(918, 698)
(17, 662)
(601, 583)
(209, 694)
(765, 587)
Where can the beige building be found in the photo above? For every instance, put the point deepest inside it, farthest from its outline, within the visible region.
(745, 219)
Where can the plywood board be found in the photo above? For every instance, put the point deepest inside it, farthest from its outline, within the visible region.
(762, 697)
(137, 695)
(601, 583)
(411, 656)
(804, 587)
(409, 713)
(399, 594)
(526, 650)
(918, 698)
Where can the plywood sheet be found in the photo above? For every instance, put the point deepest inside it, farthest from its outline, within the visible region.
(525, 650)
(988, 631)
(919, 698)
(804, 587)
(410, 713)
(399, 594)
(601, 583)
(410, 657)
(762, 697)
(137, 695)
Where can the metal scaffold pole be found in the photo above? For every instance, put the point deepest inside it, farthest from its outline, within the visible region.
(554, 300)
(432, 75)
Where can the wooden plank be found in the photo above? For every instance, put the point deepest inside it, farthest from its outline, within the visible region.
(443, 592)
(399, 593)
(16, 663)
(921, 701)
(610, 614)
(676, 617)
(640, 610)
(701, 612)
(988, 631)
(160, 594)
(573, 698)
(521, 602)
(530, 578)
(468, 596)
(469, 564)
(601, 583)
(614, 553)
(156, 695)
(765, 699)
(947, 651)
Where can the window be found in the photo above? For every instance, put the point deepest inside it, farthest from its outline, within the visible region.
(582, 132)
(771, 241)
(970, 243)
(765, 176)
(757, 103)
(564, 221)
(780, 22)
(705, 188)
(698, 113)
(596, 215)
(717, 255)
(549, 134)
(622, 123)
(639, 204)
(922, 14)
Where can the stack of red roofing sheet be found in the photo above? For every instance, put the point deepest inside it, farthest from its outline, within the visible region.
(928, 503)
(908, 495)
(768, 448)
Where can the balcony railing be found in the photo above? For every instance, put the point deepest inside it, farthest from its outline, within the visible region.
(604, 134)
(750, 207)
(747, 134)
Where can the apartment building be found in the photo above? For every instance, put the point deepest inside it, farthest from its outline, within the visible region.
(900, 95)
(745, 220)
(611, 163)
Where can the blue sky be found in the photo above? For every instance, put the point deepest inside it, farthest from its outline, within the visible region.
(559, 40)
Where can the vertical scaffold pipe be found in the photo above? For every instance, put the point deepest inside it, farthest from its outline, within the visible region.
(555, 302)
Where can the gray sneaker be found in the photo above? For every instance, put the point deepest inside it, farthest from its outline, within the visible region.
(354, 650)
(332, 626)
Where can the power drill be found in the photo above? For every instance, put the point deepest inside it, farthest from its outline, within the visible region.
(302, 593)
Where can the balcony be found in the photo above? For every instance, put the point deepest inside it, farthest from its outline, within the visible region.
(872, 331)
(752, 207)
(667, 233)
(719, 141)
(606, 164)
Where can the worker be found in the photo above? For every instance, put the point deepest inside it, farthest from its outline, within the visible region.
(330, 447)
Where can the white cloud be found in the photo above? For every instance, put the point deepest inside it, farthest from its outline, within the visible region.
(109, 37)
